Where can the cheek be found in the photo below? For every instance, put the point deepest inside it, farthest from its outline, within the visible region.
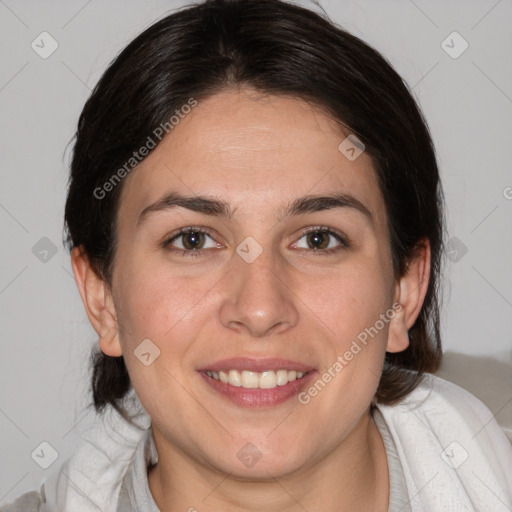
(351, 304)
(153, 302)
(350, 300)
(160, 308)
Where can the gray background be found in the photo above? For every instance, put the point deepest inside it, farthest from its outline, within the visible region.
(45, 335)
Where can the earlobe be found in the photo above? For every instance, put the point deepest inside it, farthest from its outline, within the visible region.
(410, 293)
(398, 337)
(110, 344)
(98, 303)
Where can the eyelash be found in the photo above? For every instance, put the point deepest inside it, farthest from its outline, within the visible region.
(194, 253)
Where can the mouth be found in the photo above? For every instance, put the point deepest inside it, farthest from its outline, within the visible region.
(257, 383)
(269, 379)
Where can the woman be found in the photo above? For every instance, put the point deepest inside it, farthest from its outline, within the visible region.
(255, 223)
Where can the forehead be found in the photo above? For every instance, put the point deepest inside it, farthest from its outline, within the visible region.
(252, 150)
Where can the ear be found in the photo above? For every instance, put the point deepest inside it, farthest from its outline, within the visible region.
(410, 291)
(98, 302)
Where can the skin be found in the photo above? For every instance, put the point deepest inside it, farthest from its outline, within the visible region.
(257, 153)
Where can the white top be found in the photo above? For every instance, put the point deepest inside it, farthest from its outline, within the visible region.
(452, 454)
(135, 495)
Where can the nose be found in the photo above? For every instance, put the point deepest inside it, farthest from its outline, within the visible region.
(259, 296)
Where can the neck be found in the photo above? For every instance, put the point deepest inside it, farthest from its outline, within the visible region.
(352, 477)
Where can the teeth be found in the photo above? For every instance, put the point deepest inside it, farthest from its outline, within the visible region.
(282, 377)
(251, 380)
(235, 379)
(268, 380)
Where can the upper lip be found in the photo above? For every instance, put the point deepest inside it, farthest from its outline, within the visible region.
(256, 365)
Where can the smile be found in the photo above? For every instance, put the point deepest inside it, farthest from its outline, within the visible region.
(257, 390)
(250, 380)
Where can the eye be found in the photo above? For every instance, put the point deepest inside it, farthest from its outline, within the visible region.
(190, 241)
(322, 239)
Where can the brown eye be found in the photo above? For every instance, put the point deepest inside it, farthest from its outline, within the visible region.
(322, 239)
(193, 240)
(318, 239)
(190, 240)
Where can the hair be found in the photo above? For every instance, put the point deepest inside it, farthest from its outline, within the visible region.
(275, 48)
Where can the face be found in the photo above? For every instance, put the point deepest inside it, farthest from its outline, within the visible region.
(282, 288)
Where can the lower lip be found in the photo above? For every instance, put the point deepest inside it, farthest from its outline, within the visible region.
(257, 397)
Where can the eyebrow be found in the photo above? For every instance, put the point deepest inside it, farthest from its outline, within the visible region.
(216, 208)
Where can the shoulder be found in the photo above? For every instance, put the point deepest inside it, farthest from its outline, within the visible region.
(447, 409)
(438, 398)
(28, 502)
(448, 440)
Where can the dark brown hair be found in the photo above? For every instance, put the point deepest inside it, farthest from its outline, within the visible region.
(276, 48)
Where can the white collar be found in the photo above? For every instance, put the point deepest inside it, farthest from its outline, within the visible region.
(454, 455)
